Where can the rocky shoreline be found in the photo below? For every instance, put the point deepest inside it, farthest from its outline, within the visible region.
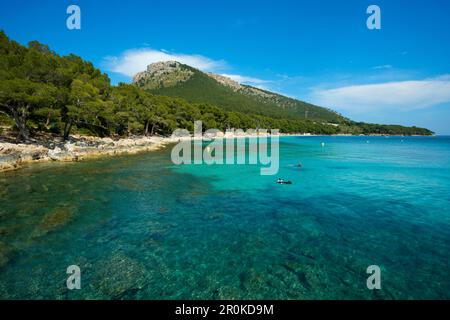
(15, 155)
(78, 148)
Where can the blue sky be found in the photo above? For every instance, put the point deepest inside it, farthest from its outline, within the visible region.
(318, 51)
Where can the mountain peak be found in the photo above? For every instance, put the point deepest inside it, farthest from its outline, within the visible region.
(167, 74)
(175, 79)
(161, 65)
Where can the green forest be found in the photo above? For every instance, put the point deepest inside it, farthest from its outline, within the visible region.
(202, 88)
(43, 92)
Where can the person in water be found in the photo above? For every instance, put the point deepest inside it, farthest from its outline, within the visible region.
(282, 181)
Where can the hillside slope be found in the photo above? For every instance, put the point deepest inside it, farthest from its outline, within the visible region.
(44, 94)
(178, 80)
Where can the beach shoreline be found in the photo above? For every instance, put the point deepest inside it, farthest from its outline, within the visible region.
(78, 148)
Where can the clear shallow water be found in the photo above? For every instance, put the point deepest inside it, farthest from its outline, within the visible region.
(141, 228)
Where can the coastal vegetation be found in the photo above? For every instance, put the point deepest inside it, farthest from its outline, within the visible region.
(179, 80)
(43, 92)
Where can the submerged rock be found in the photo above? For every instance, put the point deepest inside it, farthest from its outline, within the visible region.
(53, 220)
(5, 251)
(119, 277)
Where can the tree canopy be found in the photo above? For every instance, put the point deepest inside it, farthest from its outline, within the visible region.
(42, 91)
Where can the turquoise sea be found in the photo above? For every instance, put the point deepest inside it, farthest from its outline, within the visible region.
(140, 227)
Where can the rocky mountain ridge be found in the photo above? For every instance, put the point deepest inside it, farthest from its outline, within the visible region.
(175, 79)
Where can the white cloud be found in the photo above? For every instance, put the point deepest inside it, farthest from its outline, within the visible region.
(136, 60)
(245, 80)
(394, 96)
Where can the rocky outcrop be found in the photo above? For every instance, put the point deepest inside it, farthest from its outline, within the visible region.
(163, 74)
(13, 156)
(226, 81)
(178, 80)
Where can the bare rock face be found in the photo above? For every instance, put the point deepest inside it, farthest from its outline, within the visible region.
(56, 154)
(236, 86)
(170, 73)
(13, 155)
(163, 74)
(226, 81)
(69, 147)
(107, 141)
(9, 162)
